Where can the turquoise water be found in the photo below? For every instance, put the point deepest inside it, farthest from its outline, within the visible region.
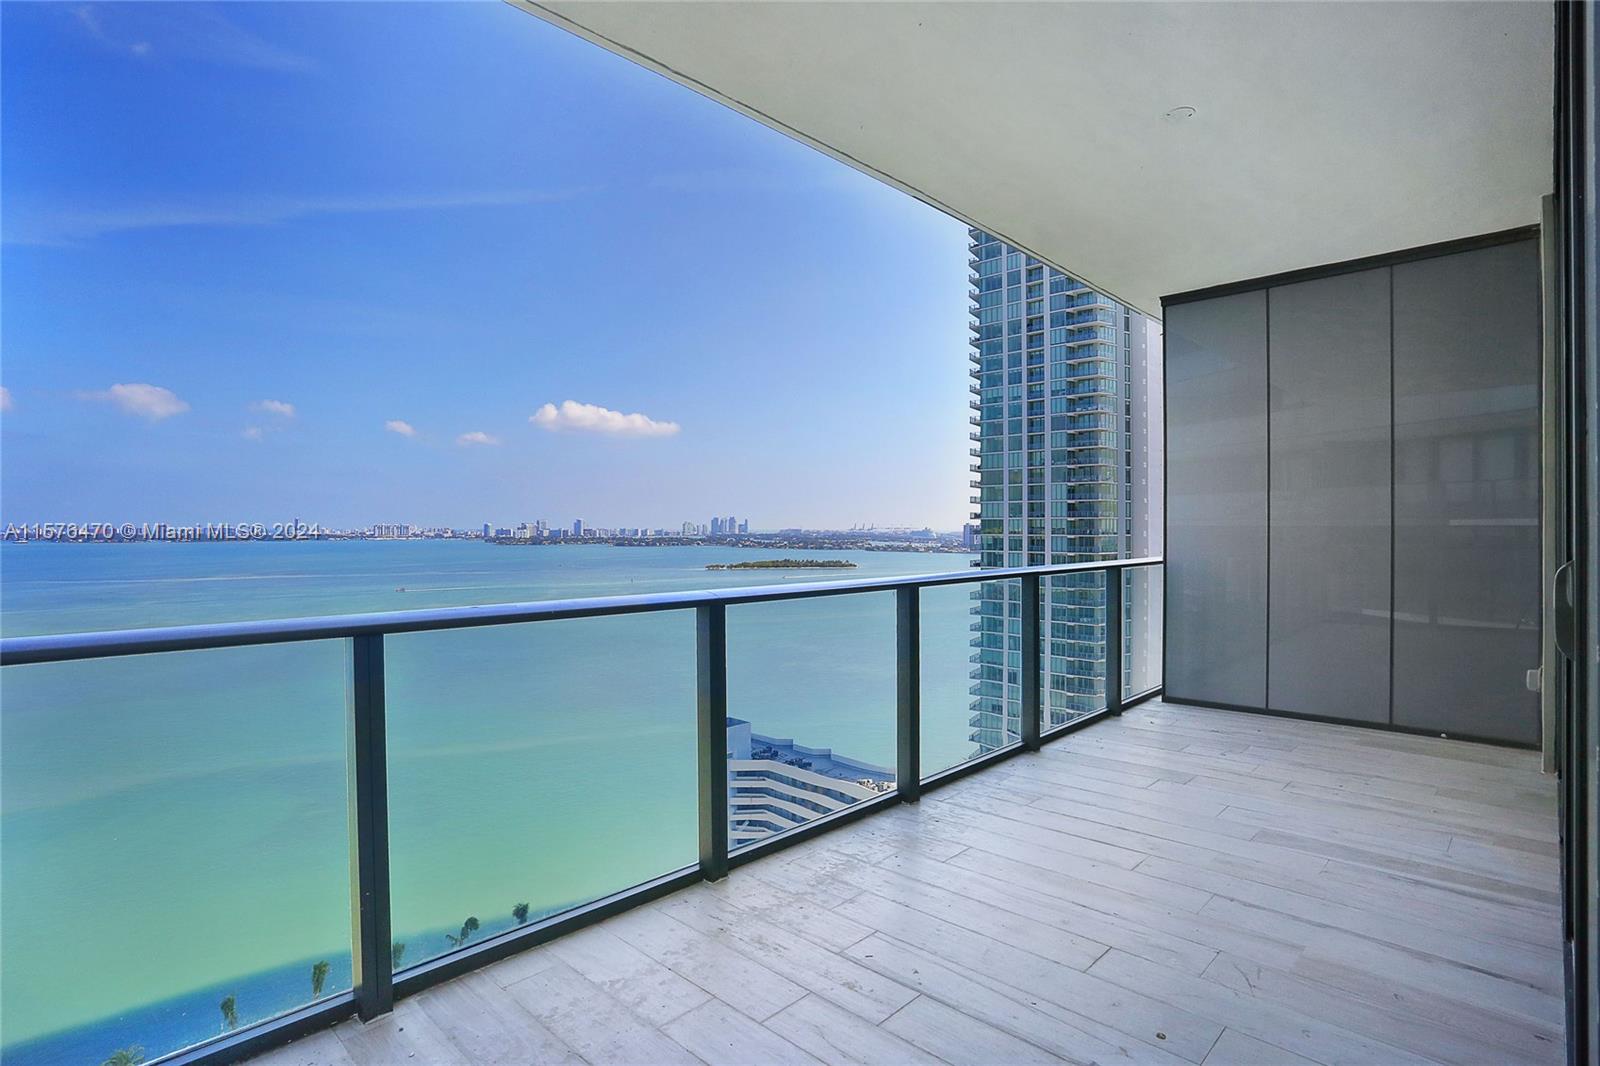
(173, 827)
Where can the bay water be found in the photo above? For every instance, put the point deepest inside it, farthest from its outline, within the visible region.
(173, 827)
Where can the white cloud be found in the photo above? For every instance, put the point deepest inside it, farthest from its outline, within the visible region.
(183, 31)
(275, 407)
(146, 401)
(405, 429)
(592, 418)
(251, 433)
(58, 224)
(477, 437)
(5, 398)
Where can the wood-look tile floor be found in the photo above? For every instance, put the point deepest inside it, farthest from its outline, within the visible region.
(1176, 886)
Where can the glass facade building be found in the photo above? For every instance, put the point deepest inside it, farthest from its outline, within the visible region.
(1066, 466)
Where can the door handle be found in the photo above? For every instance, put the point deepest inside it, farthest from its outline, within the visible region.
(1566, 611)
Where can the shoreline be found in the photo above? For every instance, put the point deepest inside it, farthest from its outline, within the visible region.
(912, 547)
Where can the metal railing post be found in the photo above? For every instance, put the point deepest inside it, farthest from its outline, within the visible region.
(1030, 662)
(1114, 640)
(371, 962)
(908, 694)
(711, 654)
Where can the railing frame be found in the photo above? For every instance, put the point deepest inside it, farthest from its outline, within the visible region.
(908, 694)
(711, 650)
(1114, 641)
(375, 984)
(372, 969)
(1032, 662)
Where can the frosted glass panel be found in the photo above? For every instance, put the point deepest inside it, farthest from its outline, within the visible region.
(1328, 617)
(1466, 355)
(1216, 573)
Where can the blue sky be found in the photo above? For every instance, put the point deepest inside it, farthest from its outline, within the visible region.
(300, 224)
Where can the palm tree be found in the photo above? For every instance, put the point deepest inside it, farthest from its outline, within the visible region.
(397, 951)
(230, 1017)
(467, 929)
(319, 974)
(126, 1056)
(520, 913)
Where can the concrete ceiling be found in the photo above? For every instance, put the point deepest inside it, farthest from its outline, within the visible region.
(1321, 132)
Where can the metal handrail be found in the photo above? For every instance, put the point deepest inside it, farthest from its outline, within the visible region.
(63, 647)
(375, 984)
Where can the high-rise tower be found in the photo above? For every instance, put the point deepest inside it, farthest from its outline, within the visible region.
(1065, 426)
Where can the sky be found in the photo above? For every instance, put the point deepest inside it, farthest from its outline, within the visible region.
(447, 264)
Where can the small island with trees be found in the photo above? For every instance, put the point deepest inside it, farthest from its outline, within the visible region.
(785, 564)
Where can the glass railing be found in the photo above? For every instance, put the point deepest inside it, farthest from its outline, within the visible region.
(165, 879)
(445, 787)
(559, 735)
(957, 724)
(1143, 600)
(811, 727)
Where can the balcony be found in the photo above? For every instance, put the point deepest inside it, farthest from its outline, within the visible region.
(1144, 882)
(1098, 335)
(757, 793)
(1176, 885)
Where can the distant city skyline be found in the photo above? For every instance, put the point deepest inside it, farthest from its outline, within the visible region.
(577, 525)
(290, 273)
(300, 527)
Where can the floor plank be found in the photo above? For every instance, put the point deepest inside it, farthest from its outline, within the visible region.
(948, 1033)
(840, 1038)
(719, 1035)
(1234, 1048)
(1029, 1019)
(1293, 1029)
(593, 1023)
(490, 1027)
(406, 1034)
(645, 986)
(1451, 1030)
(839, 980)
(1125, 1010)
(737, 980)
(1298, 917)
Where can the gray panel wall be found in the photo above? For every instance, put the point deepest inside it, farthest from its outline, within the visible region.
(1467, 597)
(1216, 572)
(1404, 411)
(1328, 610)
